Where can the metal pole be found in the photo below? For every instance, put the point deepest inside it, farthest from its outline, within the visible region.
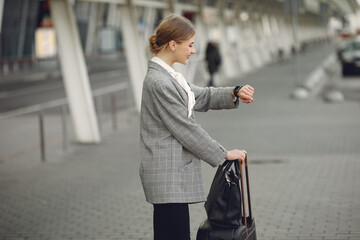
(99, 106)
(64, 127)
(42, 137)
(294, 16)
(128, 104)
(113, 111)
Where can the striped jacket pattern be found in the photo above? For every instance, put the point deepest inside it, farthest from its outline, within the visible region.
(172, 145)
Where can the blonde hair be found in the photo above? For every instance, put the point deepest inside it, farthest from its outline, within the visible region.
(173, 27)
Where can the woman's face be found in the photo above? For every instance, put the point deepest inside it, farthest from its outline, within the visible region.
(184, 50)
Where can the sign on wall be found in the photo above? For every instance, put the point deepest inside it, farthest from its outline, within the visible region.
(45, 43)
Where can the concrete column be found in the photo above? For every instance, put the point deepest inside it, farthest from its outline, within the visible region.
(76, 79)
(112, 16)
(25, 10)
(266, 38)
(201, 30)
(284, 40)
(241, 46)
(253, 50)
(90, 45)
(226, 49)
(149, 17)
(202, 37)
(135, 54)
(238, 43)
(4, 67)
(196, 61)
(1, 13)
(275, 35)
(250, 46)
(294, 20)
(259, 36)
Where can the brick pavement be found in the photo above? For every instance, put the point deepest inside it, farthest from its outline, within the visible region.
(304, 164)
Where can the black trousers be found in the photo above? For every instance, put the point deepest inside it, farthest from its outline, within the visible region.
(171, 221)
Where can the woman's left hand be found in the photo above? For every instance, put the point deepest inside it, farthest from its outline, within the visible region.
(246, 94)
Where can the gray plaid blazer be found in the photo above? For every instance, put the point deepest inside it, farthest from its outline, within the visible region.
(172, 144)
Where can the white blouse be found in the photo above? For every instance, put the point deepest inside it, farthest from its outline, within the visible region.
(181, 80)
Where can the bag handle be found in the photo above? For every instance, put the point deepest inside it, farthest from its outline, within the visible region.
(248, 186)
(226, 165)
(248, 193)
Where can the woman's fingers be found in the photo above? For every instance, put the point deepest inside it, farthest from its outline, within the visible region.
(247, 100)
(246, 94)
(249, 89)
(236, 155)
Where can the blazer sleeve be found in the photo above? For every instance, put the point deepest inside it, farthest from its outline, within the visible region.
(173, 113)
(213, 98)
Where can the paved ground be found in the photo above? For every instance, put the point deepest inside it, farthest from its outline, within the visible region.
(304, 168)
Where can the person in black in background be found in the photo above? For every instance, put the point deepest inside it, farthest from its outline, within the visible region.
(213, 59)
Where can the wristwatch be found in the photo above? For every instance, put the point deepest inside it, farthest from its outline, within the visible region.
(235, 92)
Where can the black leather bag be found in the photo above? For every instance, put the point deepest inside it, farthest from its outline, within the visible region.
(223, 205)
(210, 230)
(207, 231)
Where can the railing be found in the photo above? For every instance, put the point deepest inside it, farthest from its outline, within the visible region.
(98, 96)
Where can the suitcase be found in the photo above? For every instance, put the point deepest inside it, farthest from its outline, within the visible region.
(246, 231)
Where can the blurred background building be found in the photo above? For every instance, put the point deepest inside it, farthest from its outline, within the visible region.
(68, 34)
(71, 72)
(100, 31)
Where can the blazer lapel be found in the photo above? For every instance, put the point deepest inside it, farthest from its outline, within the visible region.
(181, 91)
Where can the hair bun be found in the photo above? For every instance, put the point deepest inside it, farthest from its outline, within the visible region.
(153, 47)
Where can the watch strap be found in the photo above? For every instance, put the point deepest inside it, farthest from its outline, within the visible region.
(235, 92)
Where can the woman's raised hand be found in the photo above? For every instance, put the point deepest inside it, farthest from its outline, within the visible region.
(246, 94)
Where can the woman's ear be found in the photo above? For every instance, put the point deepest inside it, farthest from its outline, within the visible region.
(172, 45)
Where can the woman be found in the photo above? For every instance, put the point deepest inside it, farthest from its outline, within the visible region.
(171, 141)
